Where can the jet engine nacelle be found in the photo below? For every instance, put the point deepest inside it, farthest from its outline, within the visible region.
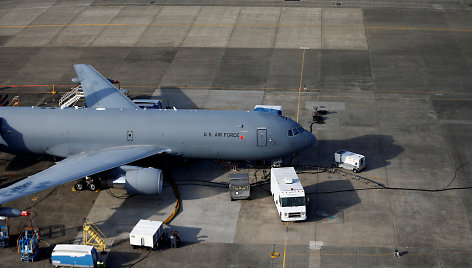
(137, 180)
(12, 212)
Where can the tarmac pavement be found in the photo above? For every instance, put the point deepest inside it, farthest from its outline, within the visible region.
(395, 78)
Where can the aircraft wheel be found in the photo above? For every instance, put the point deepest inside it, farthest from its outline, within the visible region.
(79, 186)
(92, 187)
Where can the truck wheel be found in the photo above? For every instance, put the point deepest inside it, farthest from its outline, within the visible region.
(356, 170)
(92, 187)
(79, 186)
(334, 165)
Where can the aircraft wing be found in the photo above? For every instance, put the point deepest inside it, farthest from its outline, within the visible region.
(76, 167)
(99, 92)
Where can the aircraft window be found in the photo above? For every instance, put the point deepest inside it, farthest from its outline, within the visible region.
(290, 132)
(295, 132)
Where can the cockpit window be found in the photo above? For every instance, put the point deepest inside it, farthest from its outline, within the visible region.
(295, 131)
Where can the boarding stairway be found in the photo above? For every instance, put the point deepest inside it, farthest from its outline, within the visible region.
(93, 236)
(72, 97)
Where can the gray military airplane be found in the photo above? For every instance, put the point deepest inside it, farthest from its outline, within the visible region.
(112, 132)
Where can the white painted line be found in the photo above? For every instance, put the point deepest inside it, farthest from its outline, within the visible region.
(316, 245)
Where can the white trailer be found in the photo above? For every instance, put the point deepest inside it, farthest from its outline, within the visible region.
(288, 194)
(146, 234)
(74, 256)
(269, 108)
(349, 160)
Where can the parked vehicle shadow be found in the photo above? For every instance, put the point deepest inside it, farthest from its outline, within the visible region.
(325, 205)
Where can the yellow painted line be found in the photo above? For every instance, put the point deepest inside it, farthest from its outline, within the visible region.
(313, 91)
(285, 251)
(326, 97)
(300, 85)
(239, 25)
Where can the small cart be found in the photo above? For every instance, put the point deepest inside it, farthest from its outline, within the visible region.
(239, 186)
(349, 160)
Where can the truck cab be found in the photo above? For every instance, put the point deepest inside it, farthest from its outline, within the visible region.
(288, 194)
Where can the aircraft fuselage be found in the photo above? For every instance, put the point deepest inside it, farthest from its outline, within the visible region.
(233, 135)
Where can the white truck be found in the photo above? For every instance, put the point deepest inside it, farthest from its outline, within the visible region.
(146, 234)
(349, 160)
(288, 194)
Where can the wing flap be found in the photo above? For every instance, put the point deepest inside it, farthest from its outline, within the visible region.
(77, 166)
(99, 92)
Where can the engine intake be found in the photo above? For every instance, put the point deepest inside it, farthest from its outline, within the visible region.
(136, 180)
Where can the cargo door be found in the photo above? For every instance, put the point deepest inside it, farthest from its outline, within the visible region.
(261, 137)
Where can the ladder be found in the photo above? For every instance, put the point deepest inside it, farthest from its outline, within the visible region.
(72, 97)
(15, 101)
(93, 236)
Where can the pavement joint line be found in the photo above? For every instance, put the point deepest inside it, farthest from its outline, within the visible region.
(239, 25)
(324, 96)
(379, 255)
(313, 91)
(235, 25)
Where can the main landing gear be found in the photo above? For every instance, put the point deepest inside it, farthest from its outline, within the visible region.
(86, 183)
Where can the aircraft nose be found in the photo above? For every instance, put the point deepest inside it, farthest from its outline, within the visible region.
(310, 139)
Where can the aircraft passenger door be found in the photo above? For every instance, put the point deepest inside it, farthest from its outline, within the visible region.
(262, 137)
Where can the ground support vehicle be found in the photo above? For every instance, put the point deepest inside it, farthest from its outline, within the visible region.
(28, 244)
(349, 160)
(288, 194)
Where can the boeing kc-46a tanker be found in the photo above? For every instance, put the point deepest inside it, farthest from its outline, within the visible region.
(112, 132)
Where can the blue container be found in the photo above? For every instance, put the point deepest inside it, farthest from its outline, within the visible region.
(74, 255)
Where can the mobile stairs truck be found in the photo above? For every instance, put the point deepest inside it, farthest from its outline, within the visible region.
(288, 194)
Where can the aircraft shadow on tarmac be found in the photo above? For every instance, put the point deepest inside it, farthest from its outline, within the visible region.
(157, 207)
(377, 149)
(196, 175)
(329, 206)
(171, 96)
